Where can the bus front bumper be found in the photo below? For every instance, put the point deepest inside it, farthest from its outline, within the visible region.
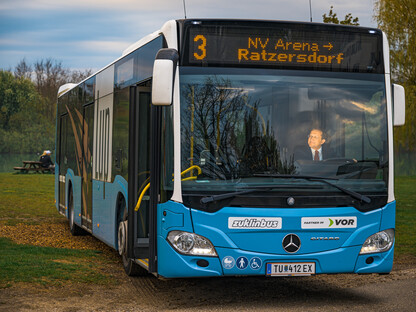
(235, 262)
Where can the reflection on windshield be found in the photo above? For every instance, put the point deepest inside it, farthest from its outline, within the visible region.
(236, 126)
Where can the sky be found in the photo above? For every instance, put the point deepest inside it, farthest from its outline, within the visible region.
(89, 34)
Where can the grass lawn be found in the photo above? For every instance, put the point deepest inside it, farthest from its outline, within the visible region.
(405, 192)
(48, 266)
(27, 198)
(27, 209)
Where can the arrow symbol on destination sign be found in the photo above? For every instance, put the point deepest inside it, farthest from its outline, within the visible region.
(329, 46)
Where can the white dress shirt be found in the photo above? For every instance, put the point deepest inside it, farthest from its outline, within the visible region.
(319, 151)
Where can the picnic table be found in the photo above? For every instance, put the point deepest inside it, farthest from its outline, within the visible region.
(35, 166)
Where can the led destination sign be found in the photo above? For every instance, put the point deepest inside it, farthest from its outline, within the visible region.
(283, 47)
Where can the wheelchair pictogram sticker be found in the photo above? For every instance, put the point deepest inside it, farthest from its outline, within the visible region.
(255, 263)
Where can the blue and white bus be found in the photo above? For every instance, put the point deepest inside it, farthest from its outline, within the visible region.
(187, 154)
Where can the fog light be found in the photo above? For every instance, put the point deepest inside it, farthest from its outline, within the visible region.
(202, 263)
(379, 242)
(191, 244)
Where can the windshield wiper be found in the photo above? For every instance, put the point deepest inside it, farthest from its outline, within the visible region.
(212, 198)
(246, 190)
(353, 194)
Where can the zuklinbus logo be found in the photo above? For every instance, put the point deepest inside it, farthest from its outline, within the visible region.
(254, 223)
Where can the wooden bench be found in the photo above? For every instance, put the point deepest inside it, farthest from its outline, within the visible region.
(34, 166)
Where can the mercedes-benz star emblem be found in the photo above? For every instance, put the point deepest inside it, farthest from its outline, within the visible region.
(290, 201)
(291, 243)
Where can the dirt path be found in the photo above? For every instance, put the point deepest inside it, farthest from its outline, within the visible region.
(394, 292)
(348, 292)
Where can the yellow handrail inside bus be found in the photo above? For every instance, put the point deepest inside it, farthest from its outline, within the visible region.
(139, 201)
(189, 178)
(141, 197)
(191, 168)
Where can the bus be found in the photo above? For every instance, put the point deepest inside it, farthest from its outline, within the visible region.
(183, 154)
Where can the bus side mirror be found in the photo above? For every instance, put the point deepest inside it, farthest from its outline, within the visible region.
(164, 70)
(399, 105)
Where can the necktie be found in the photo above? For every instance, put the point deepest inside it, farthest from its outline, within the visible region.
(316, 156)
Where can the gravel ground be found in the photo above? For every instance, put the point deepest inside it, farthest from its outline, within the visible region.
(342, 292)
(394, 292)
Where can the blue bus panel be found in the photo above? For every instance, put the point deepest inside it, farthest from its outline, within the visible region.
(333, 248)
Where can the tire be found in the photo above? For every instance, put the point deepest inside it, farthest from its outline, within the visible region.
(75, 229)
(130, 267)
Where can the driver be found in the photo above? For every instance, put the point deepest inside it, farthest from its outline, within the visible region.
(315, 150)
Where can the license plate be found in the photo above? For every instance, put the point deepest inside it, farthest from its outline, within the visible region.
(290, 269)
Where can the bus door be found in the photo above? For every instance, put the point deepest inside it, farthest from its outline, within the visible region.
(87, 149)
(139, 172)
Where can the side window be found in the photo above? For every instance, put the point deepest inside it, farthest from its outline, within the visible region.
(124, 72)
(137, 66)
(89, 90)
(121, 132)
(146, 57)
(103, 137)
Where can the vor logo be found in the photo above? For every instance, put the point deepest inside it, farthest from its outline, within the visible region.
(329, 222)
(339, 222)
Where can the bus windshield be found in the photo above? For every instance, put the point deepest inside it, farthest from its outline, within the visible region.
(245, 127)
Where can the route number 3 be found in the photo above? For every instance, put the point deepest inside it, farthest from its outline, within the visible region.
(202, 53)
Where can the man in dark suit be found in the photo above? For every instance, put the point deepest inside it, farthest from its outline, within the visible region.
(315, 150)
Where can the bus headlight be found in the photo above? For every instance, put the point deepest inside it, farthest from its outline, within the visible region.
(379, 242)
(191, 244)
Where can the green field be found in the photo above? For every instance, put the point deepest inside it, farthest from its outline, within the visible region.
(45, 265)
(28, 199)
(405, 192)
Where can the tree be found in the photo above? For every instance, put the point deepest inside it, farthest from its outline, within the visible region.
(23, 70)
(333, 19)
(28, 104)
(77, 76)
(397, 18)
(24, 127)
(49, 76)
(15, 94)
